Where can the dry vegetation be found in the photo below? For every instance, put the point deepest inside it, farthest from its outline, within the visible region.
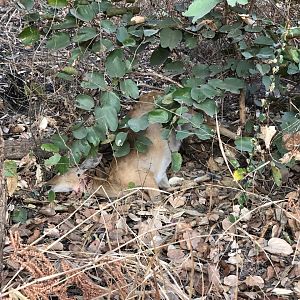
(186, 246)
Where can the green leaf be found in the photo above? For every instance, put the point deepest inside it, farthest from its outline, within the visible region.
(108, 26)
(10, 168)
(84, 13)
(57, 3)
(233, 85)
(111, 99)
(63, 165)
(138, 124)
(208, 106)
(293, 69)
(253, 28)
(70, 70)
(263, 68)
(197, 94)
(244, 67)
(76, 152)
(201, 70)
(100, 130)
(85, 34)
(121, 151)
(107, 115)
(159, 56)
(200, 8)
(50, 147)
(208, 91)
(76, 54)
(68, 22)
(53, 160)
(26, 4)
(59, 141)
(266, 53)
(182, 134)
(79, 133)
(120, 138)
(263, 40)
(142, 143)
(93, 137)
(20, 215)
(158, 116)
(129, 88)
(208, 34)
(235, 2)
(103, 45)
(170, 38)
(122, 34)
(239, 174)
(244, 144)
(277, 176)
(204, 132)
(191, 41)
(174, 67)
(150, 32)
(176, 161)
(51, 196)
(58, 41)
(197, 120)
(183, 96)
(114, 64)
(85, 102)
(32, 17)
(94, 80)
(29, 35)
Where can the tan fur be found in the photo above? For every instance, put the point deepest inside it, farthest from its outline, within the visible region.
(142, 169)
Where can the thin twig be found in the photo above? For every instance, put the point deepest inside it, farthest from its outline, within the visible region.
(2, 206)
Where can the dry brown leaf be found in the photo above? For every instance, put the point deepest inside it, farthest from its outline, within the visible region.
(138, 19)
(38, 174)
(12, 184)
(176, 181)
(255, 281)
(287, 157)
(175, 253)
(227, 225)
(177, 201)
(247, 19)
(212, 165)
(236, 260)
(36, 234)
(57, 246)
(243, 214)
(43, 123)
(297, 287)
(192, 239)
(267, 133)
(231, 280)
(291, 141)
(28, 160)
(279, 246)
(214, 275)
(210, 23)
(280, 291)
(19, 128)
(270, 273)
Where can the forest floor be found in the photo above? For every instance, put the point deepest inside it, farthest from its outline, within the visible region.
(208, 238)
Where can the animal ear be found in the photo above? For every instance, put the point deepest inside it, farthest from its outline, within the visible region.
(91, 163)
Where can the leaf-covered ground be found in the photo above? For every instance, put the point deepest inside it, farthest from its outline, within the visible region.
(208, 238)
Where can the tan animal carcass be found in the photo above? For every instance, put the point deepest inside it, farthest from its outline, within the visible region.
(146, 170)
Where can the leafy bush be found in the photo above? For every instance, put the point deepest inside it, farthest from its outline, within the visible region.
(257, 54)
